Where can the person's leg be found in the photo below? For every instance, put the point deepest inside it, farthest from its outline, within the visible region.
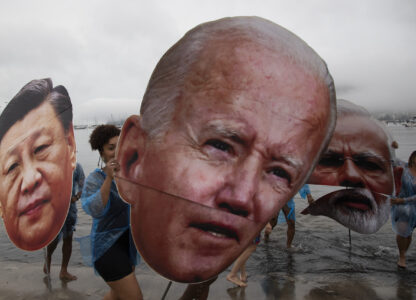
(110, 295)
(269, 227)
(287, 211)
(126, 288)
(49, 251)
(117, 269)
(267, 230)
(243, 273)
(290, 233)
(66, 255)
(403, 244)
(241, 260)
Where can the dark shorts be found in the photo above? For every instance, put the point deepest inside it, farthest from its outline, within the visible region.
(115, 263)
(71, 219)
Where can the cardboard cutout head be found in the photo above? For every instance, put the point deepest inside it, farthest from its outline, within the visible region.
(359, 157)
(234, 117)
(37, 158)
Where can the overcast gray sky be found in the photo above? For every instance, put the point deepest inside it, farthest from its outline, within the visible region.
(104, 51)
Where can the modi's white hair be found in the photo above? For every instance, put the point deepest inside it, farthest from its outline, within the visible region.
(168, 78)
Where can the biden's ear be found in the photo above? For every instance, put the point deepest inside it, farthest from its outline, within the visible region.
(129, 153)
(397, 174)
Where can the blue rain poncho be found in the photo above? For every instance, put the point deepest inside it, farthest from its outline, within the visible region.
(303, 192)
(110, 221)
(403, 216)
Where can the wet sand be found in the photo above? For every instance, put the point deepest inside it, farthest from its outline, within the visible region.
(274, 273)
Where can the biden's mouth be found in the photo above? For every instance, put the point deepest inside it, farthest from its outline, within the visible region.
(217, 230)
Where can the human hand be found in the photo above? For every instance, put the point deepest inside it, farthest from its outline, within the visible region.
(111, 168)
(76, 197)
(310, 199)
(397, 201)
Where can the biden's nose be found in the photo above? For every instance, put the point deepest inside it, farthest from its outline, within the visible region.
(240, 190)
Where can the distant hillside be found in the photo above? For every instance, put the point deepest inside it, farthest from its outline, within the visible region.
(395, 116)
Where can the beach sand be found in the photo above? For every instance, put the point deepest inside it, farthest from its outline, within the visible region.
(27, 281)
(20, 280)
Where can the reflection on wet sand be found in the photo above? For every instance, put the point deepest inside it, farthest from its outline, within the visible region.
(351, 289)
(237, 293)
(405, 287)
(275, 285)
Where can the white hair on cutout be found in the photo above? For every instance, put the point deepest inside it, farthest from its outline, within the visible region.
(168, 78)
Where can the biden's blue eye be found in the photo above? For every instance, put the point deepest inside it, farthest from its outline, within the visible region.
(220, 145)
(281, 173)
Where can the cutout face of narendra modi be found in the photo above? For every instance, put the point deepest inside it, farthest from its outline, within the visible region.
(358, 157)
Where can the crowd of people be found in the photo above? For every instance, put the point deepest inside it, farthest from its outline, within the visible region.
(238, 116)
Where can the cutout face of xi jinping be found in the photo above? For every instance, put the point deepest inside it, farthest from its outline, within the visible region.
(357, 157)
(37, 159)
(244, 133)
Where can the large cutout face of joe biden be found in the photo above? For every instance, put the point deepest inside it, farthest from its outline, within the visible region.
(37, 158)
(246, 128)
(358, 157)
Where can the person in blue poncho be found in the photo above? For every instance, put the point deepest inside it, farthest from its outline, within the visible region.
(403, 215)
(288, 213)
(113, 252)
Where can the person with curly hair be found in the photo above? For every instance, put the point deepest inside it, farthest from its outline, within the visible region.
(113, 252)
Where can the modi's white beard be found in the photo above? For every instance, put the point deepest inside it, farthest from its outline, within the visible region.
(363, 222)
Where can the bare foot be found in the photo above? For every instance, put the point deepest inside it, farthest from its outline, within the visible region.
(66, 276)
(401, 263)
(235, 280)
(243, 277)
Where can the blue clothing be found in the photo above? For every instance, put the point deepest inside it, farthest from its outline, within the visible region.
(303, 192)
(403, 216)
(408, 190)
(110, 221)
(78, 178)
